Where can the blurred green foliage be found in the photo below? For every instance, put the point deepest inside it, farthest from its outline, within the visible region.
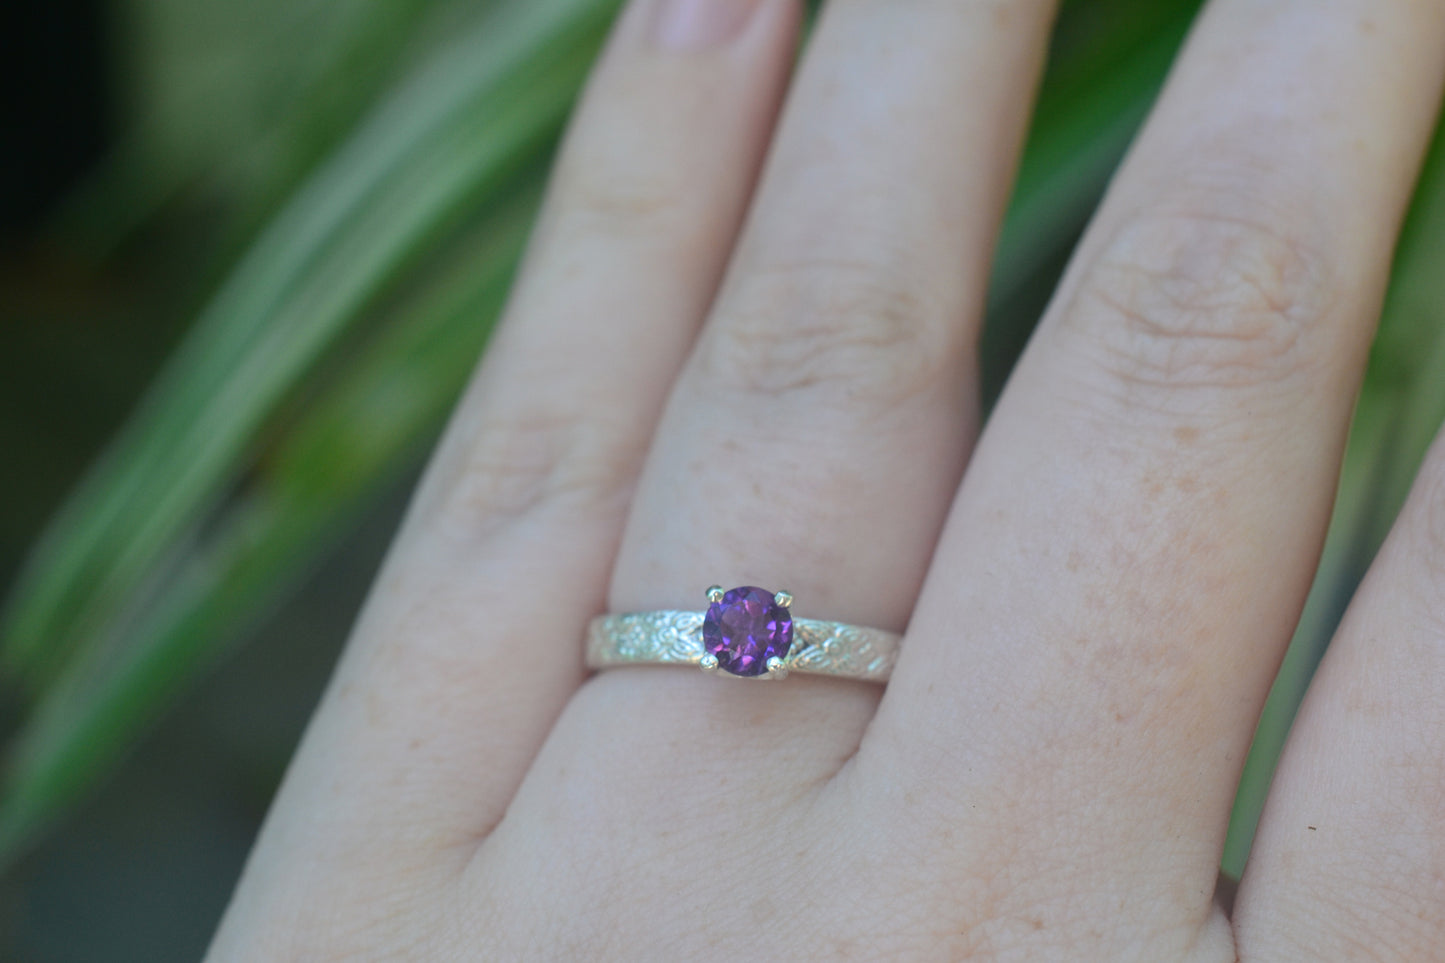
(364, 177)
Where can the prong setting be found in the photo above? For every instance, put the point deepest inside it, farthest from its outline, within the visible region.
(747, 631)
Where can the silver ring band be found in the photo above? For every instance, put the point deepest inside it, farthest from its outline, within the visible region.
(675, 638)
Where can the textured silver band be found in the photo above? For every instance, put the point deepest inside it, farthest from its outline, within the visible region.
(675, 638)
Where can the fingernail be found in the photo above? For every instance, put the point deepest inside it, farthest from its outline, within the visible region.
(700, 24)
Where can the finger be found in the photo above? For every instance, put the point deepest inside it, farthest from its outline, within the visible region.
(1130, 550)
(468, 646)
(1351, 850)
(815, 437)
(842, 346)
(812, 443)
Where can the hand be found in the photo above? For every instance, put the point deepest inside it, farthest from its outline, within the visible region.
(681, 396)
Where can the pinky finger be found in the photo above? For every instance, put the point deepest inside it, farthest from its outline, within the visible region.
(1349, 861)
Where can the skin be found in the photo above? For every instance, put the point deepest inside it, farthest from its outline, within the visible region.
(742, 350)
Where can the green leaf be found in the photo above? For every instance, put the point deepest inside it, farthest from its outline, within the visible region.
(164, 552)
(236, 99)
(480, 110)
(355, 439)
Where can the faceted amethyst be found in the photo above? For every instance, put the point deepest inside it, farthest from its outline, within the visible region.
(746, 629)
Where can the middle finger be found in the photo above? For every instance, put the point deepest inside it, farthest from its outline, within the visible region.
(1131, 548)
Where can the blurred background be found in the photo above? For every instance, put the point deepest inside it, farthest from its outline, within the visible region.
(250, 250)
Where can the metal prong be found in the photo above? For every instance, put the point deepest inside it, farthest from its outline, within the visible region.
(715, 594)
(708, 662)
(785, 599)
(776, 668)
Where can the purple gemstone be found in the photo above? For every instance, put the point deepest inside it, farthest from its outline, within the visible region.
(746, 629)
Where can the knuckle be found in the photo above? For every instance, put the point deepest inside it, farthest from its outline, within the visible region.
(845, 329)
(594, 191)
(1209, 289)
(618, 204)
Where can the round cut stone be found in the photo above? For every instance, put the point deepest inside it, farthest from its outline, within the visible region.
(746, 629)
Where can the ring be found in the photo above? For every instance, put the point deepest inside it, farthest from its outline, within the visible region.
(746, 632)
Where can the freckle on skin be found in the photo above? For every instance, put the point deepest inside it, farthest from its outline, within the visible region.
(1186, 434)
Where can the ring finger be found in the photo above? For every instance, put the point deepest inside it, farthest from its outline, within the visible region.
(817, 434)
(815, 439)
